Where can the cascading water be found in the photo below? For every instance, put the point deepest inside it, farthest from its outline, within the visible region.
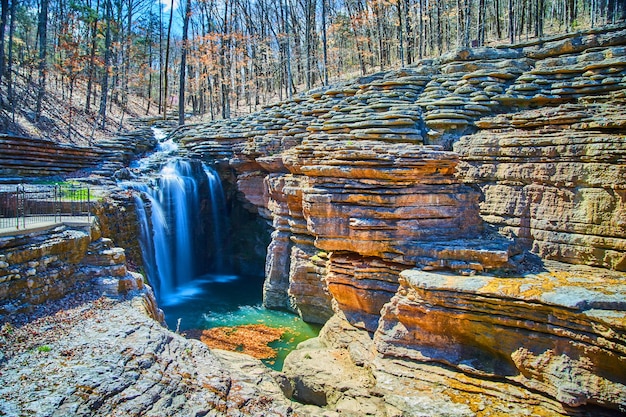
(181, 239)
(217, 207)
(183, 220)
(180, 212)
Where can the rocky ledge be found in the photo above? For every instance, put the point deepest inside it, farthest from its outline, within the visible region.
(534, 330)
(89, 355)
(344, 370)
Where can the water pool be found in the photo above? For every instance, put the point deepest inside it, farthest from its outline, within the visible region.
(233, 300)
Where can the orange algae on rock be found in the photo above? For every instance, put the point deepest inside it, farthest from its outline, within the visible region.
(251, 339)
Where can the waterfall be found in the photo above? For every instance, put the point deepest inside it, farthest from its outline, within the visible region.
(182, 239)
(218, 206)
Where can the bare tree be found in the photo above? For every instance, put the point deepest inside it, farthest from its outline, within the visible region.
(104, 90)
(183, 64)
(42, 30)
(167, 60)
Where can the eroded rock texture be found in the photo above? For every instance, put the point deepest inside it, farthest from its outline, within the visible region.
(560, 332)
(102, 358)
(555, 178)
(46, 265)
(361, 184)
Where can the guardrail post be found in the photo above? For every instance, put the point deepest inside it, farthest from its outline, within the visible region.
(21, 206)
(55, 196)
(17, 207)
(89, 205)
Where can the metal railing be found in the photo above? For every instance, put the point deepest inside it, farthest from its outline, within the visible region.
(25, 205)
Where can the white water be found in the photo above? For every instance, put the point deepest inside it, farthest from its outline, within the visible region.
(165, 147)
(218, 206)
(174, 242)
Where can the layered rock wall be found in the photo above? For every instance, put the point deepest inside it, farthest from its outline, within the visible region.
(559, 332)
(360, 185)
(28, 157)
(555, 179)
(23, 158)
(47, 265)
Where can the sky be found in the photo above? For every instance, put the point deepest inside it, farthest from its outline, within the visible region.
(167, 4)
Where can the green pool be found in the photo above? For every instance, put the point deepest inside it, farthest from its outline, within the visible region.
(233, 300)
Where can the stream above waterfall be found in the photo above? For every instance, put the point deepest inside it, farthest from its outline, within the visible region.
(186, 240)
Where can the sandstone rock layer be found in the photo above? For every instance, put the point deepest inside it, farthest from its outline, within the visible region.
(360, 184)
(533, 329)
(555, 179)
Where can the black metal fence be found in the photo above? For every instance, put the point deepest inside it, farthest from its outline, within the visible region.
(24, 205)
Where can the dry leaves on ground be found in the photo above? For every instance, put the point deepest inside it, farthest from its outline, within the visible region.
(251, 339)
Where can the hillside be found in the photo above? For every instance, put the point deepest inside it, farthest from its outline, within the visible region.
(64, 118)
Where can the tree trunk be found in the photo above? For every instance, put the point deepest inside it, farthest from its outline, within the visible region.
(324, 42)
(288, 50)
(422, 29)
(183, 65)
(223, 49)
(308, 41)
(539, 18)
(160, 58)
(107, 65)
(167, 60)
(468, 23)
(42, 28)
(496, 8)
(127, 59)
(482, 11)
(400, 35)
(439, 32)
(10, 63)
(511, 22)
(409, 33)
(4, 13)
(149, 44)
(379, 27)
(92, 57)
(460, 23)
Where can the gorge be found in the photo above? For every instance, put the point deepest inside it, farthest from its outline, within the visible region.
(458, 227)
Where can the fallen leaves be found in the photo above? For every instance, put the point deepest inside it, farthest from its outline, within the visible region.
(251, 339)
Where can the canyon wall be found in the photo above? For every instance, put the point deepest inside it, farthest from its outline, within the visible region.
(463, 219)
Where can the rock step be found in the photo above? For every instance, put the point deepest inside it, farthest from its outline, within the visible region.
(577, 306)
(29, 157)
(37, 267)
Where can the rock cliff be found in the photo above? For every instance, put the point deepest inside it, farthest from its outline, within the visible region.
(482, 164)
(555, 178)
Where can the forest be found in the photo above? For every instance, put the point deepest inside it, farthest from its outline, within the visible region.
(223, 58)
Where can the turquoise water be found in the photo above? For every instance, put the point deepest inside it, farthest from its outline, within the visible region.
(233, 300)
